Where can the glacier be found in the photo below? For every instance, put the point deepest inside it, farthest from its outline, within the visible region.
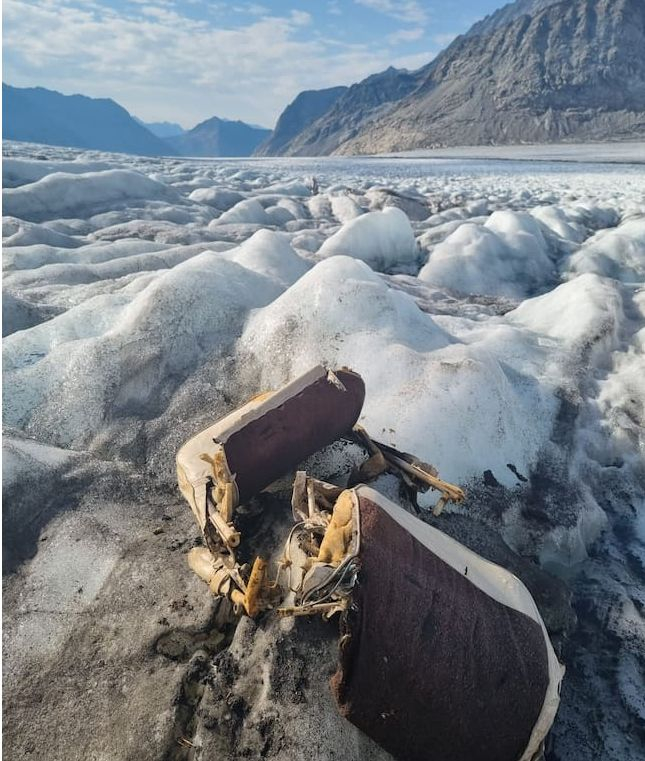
(495, 309)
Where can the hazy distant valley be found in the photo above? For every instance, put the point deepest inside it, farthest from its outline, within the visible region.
(39, 115)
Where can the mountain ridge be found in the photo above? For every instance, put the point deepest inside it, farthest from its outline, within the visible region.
(39, 115)
(219, 137)
(360, 102)
(532, 71)
(162, 129)
(575, 70)
(305, 109)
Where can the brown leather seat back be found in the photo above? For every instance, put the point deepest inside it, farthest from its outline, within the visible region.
(273, 443)
(433, 668)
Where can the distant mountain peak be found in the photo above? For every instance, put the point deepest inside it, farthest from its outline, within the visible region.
(162, 129)
(216, 136)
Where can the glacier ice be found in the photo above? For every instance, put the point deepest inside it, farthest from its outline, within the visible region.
(495, 309)
(381, 238)
(64, 195)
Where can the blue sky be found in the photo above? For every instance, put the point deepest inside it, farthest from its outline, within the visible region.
(187, 60)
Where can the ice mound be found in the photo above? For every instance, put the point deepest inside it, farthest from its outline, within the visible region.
(413, 204)
(308, 241)
(621, 407)
(618, 253)
(22, 262)
(106, 224)
(160, 231)
(279, 216)
(220, 198)
(612, 432)
(562, 222)
(17, 172)
(454, 214)
(586, 314)
(521, 233)
(270, 253)
(250, 211)
(292, 188)
(68, 195)
(473, 259)
(17, 232)
(320, 206)
(93, 317)
(342, 313)
(507, 256)
(438, 233)
(297, 208)
(345, 208)
(122, 355)
(371, 309)
(18, 313)
(25, 459)
(380, 238)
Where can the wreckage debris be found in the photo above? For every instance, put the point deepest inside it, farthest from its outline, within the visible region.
(475, 675)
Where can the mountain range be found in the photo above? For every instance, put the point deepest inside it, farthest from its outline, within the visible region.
(38, 115)
(533, 71)
(163, 129)
(219, 137)
(353, 106)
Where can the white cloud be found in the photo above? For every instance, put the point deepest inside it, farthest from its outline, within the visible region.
(406, 35)
(410, 11)
(159, 12)
(300, 18)
(161, 64)
(252, 9)
(257, 10)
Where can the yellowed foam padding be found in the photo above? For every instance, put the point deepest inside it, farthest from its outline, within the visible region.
(201, 562)
(254, 589)
(339, 532)
(261, 396)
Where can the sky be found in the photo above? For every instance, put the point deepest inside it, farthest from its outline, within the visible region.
(187, 60)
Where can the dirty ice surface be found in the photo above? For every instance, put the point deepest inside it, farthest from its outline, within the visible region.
(496, 311)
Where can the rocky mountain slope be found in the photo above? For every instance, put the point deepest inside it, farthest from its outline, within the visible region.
(358, 105)
(297, 116)
(534, 71)
(219, 137)
(38, 115)
(508, 13)
(573, 70)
